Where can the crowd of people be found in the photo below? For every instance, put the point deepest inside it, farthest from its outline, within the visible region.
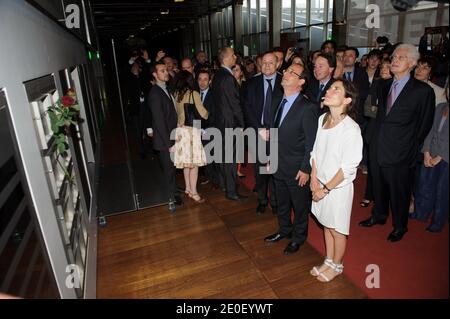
(384, 113)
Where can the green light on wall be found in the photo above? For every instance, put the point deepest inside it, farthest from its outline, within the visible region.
(98, 55)
(254, 45)
(193, 50)
(90, 55)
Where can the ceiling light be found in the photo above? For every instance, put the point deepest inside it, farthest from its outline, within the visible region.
(164, 11)
(179, 0)
(143, 28)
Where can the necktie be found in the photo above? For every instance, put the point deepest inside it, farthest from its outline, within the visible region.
(349, 76)
(201, 96)
(391, 98)
(267, 104)
(320, 92)
(279, 113)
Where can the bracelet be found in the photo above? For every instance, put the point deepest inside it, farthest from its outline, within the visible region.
(325, 186)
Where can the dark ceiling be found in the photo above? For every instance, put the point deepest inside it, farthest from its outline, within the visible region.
(123, 18)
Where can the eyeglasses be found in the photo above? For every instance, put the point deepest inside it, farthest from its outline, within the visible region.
(401, 58)
(292, 72)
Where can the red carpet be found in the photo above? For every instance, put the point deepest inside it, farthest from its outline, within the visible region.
(415, 267)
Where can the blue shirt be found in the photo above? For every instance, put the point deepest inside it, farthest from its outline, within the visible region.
(266, 86)
(401, 84)
(290, 100)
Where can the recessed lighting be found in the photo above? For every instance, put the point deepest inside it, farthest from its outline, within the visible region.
(179, 0)
(164, 11)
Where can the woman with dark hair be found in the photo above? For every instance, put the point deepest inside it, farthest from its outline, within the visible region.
(335, 157)
(189, 152)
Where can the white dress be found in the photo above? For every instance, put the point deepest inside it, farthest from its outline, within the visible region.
(335, 148)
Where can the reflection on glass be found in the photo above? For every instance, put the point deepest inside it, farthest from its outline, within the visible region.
(316, 37)
(245, 16)
(300, 13)
(286, 14)
(230, 21)
(388, 28)
(329, 31)
(330, 10)
(253, 16)
(317, 11)
(264, 43)
(263, 15)
(416, 23)
(425, 5)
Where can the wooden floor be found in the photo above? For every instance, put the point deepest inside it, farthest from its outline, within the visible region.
(211, 250)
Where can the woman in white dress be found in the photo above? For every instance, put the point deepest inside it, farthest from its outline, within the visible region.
(336, 155)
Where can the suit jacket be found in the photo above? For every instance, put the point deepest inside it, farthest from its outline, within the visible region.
(399, 134)
(361, 81)
(164, 118)
(313, 91)
(225, 92)
(296, 136)
(208, 103)
(254, 100)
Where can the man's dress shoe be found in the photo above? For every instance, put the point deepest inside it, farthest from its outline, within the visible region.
(260, 209)
(396, 235)
(291, 248)
(371, 221)
(274, 238)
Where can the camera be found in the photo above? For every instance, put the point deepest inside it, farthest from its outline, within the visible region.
(296, 50)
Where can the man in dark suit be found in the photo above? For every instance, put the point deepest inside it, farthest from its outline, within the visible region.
(204, 82)
(358, 76)
(296, 119)
(228, 114)
(323, 78)
(164, 121)
(404, 118)
(262, 90)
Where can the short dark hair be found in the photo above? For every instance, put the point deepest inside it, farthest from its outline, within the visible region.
(332, 42)
(354, 50)
(331, 59)
(204, 71)
(376, 53)
(427, 60)
(153, 67)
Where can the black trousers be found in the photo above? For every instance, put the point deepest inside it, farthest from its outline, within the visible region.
(392, 188)
(169, 173)
(265, 183)
(290, 195)
(228, 171)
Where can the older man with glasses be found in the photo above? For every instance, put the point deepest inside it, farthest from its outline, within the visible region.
(404, 118)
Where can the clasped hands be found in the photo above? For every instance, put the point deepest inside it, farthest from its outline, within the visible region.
(318, 192)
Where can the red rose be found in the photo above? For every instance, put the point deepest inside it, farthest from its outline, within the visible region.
(67, 101)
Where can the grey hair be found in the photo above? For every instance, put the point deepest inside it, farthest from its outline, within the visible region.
(413, 53)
